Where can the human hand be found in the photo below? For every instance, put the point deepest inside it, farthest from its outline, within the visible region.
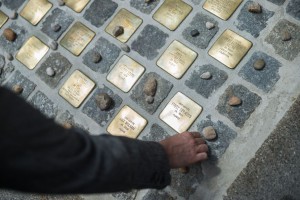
(185, 149)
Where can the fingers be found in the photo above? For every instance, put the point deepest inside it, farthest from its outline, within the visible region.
(199, 141)
(201, 156)
(201, 148)
(195, 134)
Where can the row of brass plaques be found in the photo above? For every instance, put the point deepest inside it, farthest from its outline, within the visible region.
(35, 10)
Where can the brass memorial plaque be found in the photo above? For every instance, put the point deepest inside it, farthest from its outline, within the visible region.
(128, 21)
(222, 9)
(180, 112)
(230, 48)
(125, 73)
(77, 38)
(3, 18)
(177, 59)
(127, 123)
(76, 88)
(171, 13)
(76, 5)
(32, 52)
(35, 10)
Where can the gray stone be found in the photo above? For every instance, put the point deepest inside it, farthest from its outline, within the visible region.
(209, 25)
(149, 99)
(13, 15)
(158, 195)
(109, 53)
(9, 56)
(254, 7)
(57, 17)
(157, 133)
(253, 23)
(50, 71)
(238, 114)
(285, 36)
(100, 11)
(2, 61)
(53, 45)
(66, 119)
(287, 49)
(125, 47)
(6, 72)
(143, 6)
(92, 110)
(150, 87)
(199, 23)
(277, 2)
(118, 30)
(131, 195)
(41, 102)
(55, 27)
(196, 2)
(293, 9)
(266, 78)
(149, 42)
(60, 2)
(205, 75)
(194, 33)
(163, 89)
(206, 87)
(60, 66)
(13, 5)
(96, 57)
(104, 101)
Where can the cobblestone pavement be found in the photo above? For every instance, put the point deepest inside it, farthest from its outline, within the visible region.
(187, 60)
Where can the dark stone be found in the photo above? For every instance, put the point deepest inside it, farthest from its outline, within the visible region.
(149, 42)
(6, 72)
(157, 133)
(13, 4)
(238, 114)
(264, 79)
(41, 102)
(194, 33)
(104, 101)
(125, 47)
(277, 2)
(199, 23)
(163, 89)
(293, 9)
(206, 87)
(158, 195)
(144, 7)
(118, 30)
(59, 64)
(96, 57)
(100, 11)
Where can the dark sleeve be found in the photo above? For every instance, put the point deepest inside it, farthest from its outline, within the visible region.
(36, 155)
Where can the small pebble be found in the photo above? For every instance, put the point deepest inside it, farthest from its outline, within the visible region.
(209, 133)
(55, 27)
(125, 47)
(67, 125)
(206, 75)
(118, 30)
(9, 57)
(209, 25)
(234, 101)
(184, 170)
(194, 33)
(285, 36)
(96, 57)
(60, 2)
(150, 87)
(50, 71)
(259, 64)
(254, 8)
(103, 101)
(149, 99)
(14, 15)
(9, 34)
(17, 89)
(53, 45)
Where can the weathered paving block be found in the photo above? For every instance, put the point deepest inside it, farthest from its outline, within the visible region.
(253, 23)
(287, 49)
(277, 2)
(92, 110)
(293, 9)
(149, 42)
(206, 87)
(163, 89)
(109, 53)
(131, 195)
(100, 11)
(41, 102)
(13, 5)
(57, 17)
(6, 72)
(196, 2)
(158, 195)
(143, 6)
(157, 133)
(205, 35)
(67, 117)
(240, 113)
(59, 64)
(265, 78)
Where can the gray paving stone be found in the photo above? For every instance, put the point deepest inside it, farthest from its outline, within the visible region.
(238, 114)
(277, 2)
(206, 87)
(60, 17)
(131, 195)
(6, 71)
(13, 4)
(264, 79)
(12, 47)
(41, 102)
(202, 40)
(163, 89)
(144, 7)
(60, 65)
(157, 133)
(149, 42)
(93, 111)
(293, 9)
(67, 117)
(287, 49)
(158, 195)
(196, 2)
(100, 11)
(109, 53)
(19, 79)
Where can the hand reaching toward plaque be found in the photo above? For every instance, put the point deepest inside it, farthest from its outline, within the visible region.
(185, 149)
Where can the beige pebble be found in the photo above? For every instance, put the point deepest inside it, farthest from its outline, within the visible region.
(234, 101)
(259, 64)
(209, 133)
(9, 34)
(286, 36)
(209, 25)
(103, 101)
(17, 89)
(184, 170)
(254, 8)
(150, 87)
(67, 125)
(206, 75)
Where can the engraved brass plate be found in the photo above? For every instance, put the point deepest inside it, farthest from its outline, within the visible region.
(77, 38)
(3, 18)
(76, 5)
(172, 13)
(125, 73)
(128, 21)
(180, 112)
(230, 48)
(222, 9)
(127, 123)
(35, 10)
(76, 88)
(177, 59)
(32, 52)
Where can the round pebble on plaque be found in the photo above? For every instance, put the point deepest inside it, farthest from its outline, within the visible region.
(209, 25)
(14, 15)
(209, 133)
(125, 47)
(285, 36)
(254, 8)
(234, 101)
(259, 64)
(194, 32)
(118, 30)
(9, 34)
(17, 89)
(206, 75)
(96, 57)
(104, 101)
(55, 27)
(50, 71)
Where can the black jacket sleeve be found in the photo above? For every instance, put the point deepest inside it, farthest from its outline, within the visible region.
(36, 155)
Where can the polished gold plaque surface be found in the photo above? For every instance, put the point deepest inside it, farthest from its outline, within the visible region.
(35, 10)
(230, 48)
(77, 38)
(32, 52)
(128, 21)
(3, 18)
(125, 73)
(76, 5)
(76, 88)
(172, 13)
(127, 123)
(177, 59)
(180, 112)
(222, 8)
